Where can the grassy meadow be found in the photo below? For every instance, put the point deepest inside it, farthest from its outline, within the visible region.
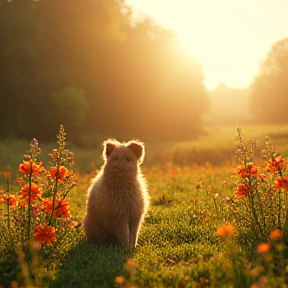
(216, 218)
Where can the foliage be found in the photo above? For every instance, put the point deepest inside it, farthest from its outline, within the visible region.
(68, 103)
(35, 223)
(269, 90)
(122, 69)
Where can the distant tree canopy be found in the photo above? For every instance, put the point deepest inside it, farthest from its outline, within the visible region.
(91, 66)
(270, 89)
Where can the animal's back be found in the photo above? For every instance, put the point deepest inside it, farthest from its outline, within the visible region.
(113, 199)
(117, 200)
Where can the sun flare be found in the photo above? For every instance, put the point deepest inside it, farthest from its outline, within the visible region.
(231, 38)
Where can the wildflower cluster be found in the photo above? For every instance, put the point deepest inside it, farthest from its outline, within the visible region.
(40, 211)
(260, 195)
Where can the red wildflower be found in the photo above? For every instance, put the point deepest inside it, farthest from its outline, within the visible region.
(28, 167)
(34, 194)
(61, 173)
(45, 234)
(11, 199)
(281, 182)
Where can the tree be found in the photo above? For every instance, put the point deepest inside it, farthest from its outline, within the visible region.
(132, 75)
(69, 106)
(270, 88)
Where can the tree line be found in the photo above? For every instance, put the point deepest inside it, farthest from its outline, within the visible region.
(270, 87)
(92, 67)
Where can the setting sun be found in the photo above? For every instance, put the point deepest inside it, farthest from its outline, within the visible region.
(231, 38)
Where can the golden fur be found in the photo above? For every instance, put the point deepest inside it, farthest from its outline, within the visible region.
(117, 198)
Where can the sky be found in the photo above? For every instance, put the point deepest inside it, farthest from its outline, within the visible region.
(230, 37)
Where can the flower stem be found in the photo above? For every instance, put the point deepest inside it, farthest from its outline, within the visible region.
(261, 208)
(8, 206)
(29, 202)
(55, 188)
(279, 210)
(254, 213)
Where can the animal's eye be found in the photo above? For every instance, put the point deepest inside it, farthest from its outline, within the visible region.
(127, 159)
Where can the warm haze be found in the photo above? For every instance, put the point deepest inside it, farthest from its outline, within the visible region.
(230, 37)
(130, 79)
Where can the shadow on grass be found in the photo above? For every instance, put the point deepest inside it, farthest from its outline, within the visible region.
(92, 266)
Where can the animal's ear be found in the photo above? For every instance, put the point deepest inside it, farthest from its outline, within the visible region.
(109, 146)
(138, 149)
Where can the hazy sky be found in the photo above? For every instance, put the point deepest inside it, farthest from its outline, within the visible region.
(230, 37)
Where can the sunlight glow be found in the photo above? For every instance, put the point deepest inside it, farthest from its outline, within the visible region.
(230, 37)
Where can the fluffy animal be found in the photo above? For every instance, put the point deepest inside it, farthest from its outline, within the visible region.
(117, 198)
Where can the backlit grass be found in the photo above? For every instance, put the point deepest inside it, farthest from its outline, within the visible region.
(185, 240)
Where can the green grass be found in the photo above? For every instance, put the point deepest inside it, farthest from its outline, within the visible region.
(217, 146)
(178, 245)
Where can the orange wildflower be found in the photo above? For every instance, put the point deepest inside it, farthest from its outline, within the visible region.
(252, 168)
(262, 176)
(47, 204)
(6, 174)
(11, 199)
(281, 182)
(249, 169)
(241, 171)
(276, 163)
(28, 167)
(275, 234)
(119, 280)
(61, 173)
(243, 190)
(34, 194)
(225, 230)
(61, 208)
(73, 224)
(23, 203)
(263, 248)
(45, 234)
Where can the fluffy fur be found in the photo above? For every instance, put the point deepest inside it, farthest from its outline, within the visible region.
(117, 198)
